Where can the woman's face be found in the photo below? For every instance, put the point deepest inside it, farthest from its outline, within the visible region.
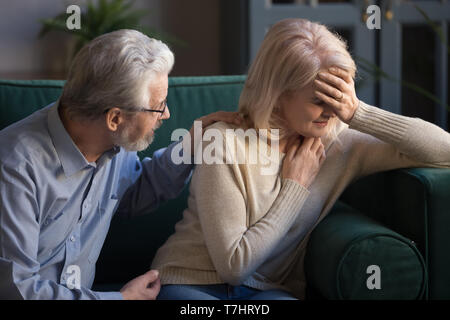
(306, 114)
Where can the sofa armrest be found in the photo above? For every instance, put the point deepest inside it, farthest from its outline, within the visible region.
(415, 203)
(351, 256)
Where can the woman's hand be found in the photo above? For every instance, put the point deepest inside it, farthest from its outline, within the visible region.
(303, 160)
(337, 89)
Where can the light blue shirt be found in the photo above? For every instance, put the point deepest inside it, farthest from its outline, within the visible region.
(56, 207)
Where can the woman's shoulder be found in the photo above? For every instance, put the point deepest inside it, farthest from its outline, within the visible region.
(226, 131)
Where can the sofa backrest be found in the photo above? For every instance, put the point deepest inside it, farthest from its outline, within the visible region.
(20, 98)
(131, 243)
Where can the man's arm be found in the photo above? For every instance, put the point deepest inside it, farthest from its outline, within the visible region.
(19, 239)
(159, 179)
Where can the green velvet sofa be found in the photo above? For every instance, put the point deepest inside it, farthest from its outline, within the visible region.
(386, 237)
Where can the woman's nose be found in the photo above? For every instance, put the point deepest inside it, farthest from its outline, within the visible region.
(328, 112)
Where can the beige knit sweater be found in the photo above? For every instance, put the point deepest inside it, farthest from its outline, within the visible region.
(242, 227)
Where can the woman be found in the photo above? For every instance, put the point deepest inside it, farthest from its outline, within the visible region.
(244, 234)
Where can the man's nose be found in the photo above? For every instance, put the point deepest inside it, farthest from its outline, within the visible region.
(166, 114)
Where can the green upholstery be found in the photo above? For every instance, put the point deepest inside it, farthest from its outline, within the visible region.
(19, 98)
(413, 203)
(416, 204)
(346, 245)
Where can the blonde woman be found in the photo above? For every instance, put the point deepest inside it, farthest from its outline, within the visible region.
(244, 234)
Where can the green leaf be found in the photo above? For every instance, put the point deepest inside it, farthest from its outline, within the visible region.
(103, 16)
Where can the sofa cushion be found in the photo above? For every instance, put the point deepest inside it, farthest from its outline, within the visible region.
(351, 256)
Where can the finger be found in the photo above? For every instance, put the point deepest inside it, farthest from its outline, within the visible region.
(328, 89)
(316, 144)
(153, 290)
(322, 158)
(293, 139)
(151, 275)
(225, 116)
(306, 144)
(292, 146)
(333, 80)
(328, 100)
(320, 150)
(238, 118)
(154, 285)
(341, 73)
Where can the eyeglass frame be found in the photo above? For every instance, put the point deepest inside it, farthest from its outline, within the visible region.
(140, 109)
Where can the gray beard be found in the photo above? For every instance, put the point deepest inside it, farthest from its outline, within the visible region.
(122, 139)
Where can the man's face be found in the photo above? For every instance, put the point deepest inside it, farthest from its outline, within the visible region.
(138, 133)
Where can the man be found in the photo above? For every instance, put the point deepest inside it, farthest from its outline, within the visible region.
(67, 168)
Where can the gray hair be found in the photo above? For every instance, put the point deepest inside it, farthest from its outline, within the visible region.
(114, 70)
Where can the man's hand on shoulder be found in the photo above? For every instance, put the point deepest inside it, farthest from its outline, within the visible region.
(225, 116)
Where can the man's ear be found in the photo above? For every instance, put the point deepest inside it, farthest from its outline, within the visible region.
(114, 117)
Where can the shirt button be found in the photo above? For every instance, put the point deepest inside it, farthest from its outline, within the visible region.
(72, 238)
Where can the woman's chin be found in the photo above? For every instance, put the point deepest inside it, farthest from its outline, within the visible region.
(314, 133)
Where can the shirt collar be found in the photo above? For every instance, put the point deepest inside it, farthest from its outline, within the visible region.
(72, 160)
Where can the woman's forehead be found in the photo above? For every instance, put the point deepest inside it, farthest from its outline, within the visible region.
(305, 92)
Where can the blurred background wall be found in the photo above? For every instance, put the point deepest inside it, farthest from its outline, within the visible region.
(402, 67)
(25, 56)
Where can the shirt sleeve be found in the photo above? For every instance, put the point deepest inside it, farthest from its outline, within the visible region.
(19, 238)
(159, 179)
(387, 141)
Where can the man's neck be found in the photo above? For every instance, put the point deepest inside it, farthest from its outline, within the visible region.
(87, 136)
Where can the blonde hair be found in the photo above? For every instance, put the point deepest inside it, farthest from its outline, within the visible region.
(290, 57)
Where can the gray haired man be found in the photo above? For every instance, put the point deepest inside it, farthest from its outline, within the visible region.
(65, 169)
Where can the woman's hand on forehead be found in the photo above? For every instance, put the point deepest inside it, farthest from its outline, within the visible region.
(336, 88)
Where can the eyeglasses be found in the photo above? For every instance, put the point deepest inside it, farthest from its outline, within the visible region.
(140, 109)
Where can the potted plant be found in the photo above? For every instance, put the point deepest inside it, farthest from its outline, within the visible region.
(104, 17)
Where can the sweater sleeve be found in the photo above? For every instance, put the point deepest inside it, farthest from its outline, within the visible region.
(386, 141)
(235, 248)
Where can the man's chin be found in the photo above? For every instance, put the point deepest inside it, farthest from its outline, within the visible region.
(122, 139)
(139, 145)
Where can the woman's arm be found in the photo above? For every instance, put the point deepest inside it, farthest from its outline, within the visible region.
(221, 200)
(391, 141)
(237, 249)
(384, 140)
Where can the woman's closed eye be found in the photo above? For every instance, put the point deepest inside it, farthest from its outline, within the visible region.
(318, 102)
